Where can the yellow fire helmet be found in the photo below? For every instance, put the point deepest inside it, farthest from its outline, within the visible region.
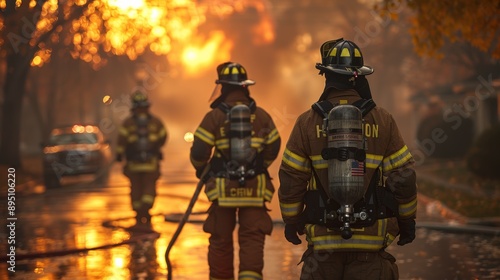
(342, 57)
(139, 99)
(230, 73)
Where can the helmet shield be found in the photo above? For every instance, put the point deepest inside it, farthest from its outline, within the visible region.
(216, 93)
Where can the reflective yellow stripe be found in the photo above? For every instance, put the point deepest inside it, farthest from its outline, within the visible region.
(136, 204)
(397, 159)
(240, 201)
(272, 136)
(357, 241)
(295, 161)
(221, 186)
(382, 227)
(373, 161)
(262, 194)
(261, 185)
(312, 184)
(153, 137)
(257, 142)
(205, 136)
(291, 209)
(249, 275)
(390, 238)
(149, 199)
(408, 209)
(216, 192)
(123, 131)
(197, 163)
(222, 144)
(213, 194)
(268, 195)
(318, 162)
(132, 138)
(162, 132)
(143, 166)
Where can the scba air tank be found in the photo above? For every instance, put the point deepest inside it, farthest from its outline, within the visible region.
(346, 156)
(143, 144)
(240, 137)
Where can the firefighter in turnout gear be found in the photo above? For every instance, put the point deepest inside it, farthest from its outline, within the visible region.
(239, 141)
(140, 139)
(346, 147)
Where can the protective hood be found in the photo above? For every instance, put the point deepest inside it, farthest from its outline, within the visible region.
(343, 82)
(221, 91)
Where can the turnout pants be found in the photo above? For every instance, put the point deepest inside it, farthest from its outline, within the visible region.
(254, 224)
(142, 191)
(348, 266)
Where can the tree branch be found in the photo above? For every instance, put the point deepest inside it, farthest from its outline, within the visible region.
(77, 12)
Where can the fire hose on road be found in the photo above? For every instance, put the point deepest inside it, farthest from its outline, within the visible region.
(64, 252)
(184, 219)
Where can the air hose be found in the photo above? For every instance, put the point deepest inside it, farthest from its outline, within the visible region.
(184, 220)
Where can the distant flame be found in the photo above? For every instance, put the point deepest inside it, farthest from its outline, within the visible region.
(264, 31)
(164, 27)
(127, 4)
(197, 57)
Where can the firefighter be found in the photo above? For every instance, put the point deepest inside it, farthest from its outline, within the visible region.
(345, 243)
(238, 141)
(140, 139)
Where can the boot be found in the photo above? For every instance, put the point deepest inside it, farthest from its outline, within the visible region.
(143, 220)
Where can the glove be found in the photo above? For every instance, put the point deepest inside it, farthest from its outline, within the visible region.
(292, 232)
(119, 158)
(406, 231)
(199, 172)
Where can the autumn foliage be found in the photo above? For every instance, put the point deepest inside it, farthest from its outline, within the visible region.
(436, 22)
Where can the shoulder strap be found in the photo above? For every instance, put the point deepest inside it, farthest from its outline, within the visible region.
(224, 107)
(324, 107)
(365, 105)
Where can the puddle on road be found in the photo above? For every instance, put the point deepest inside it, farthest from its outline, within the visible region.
(66, 224)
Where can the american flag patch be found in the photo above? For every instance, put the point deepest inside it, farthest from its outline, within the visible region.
(357, 168)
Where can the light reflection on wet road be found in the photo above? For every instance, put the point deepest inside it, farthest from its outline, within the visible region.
(72, 218)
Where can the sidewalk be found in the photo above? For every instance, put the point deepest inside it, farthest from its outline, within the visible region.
(424, 174)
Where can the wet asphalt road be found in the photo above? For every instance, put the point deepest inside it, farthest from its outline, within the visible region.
(83, 228)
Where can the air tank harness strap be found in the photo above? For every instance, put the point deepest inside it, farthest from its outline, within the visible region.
(343, 154)
(224, 107)
(325, 106)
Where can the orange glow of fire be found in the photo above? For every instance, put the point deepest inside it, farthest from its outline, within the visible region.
(196, 57)
(263, 33)
(131, 27)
